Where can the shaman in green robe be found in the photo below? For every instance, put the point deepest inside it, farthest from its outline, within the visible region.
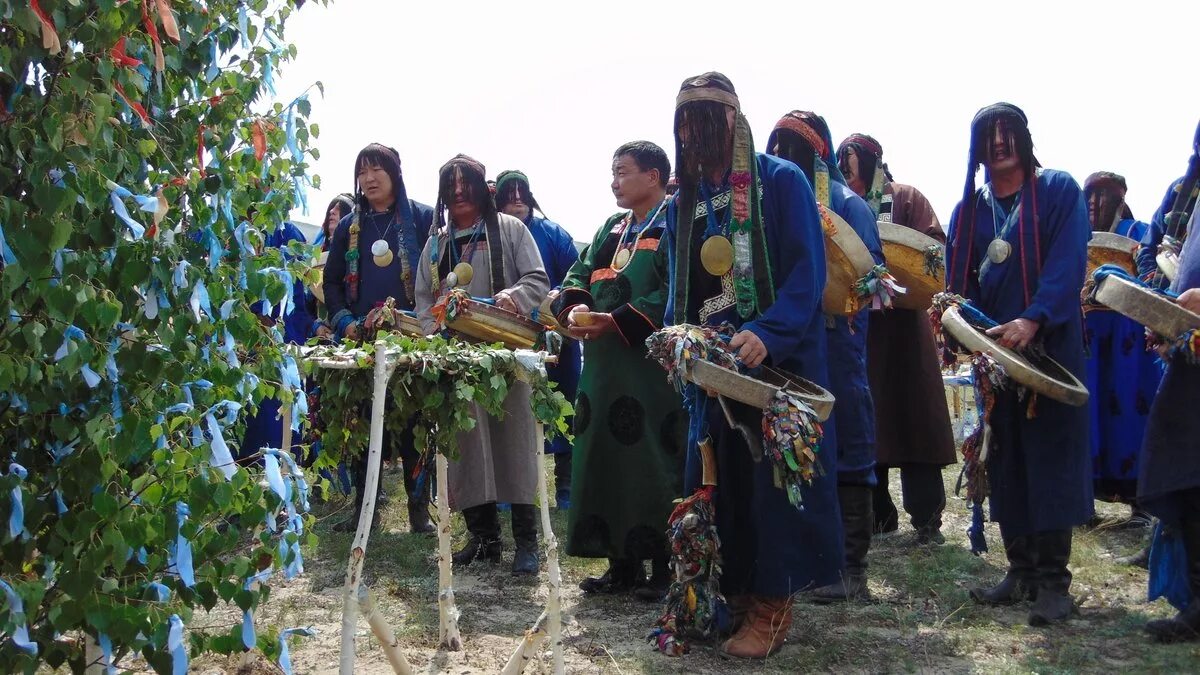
(630, 429)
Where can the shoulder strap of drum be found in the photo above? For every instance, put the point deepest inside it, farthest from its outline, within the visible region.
(495, 254)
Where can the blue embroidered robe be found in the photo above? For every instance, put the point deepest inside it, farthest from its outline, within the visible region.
(847, 340)
(558, 254)
(264, 429)
(1122, 376)
(1039, 469)
(769, 547)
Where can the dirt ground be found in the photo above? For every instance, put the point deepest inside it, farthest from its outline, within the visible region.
(921, 618)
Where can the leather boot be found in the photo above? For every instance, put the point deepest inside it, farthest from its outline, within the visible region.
(1018, 584)
(623, 574)
(483, 538)
(659, 582)
(886, 519)
(1184, 626)
(765, 629)
(418, 505)
(857, 521)
(524, 530)
(739, 610)
(1054, 603)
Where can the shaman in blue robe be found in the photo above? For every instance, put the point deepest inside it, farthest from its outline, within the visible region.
(375, 284)
(769, 546)
(1170, 462)
(264, 429)
(1039, 469)
(1152, 236)
(558, 254)
(847, 340)
(1122, 376)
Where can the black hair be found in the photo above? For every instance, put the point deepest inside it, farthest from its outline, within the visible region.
(984, 129)
(648, 156)
(794, 148)
(474, 184)
(512, 187)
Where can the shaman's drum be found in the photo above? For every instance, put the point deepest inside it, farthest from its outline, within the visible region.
(918, 262)
(1043, 375)
(846, 261)
(488, 323)
(759, 391)
(1110, 248)
(1154, 311)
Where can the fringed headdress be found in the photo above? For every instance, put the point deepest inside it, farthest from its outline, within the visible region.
(812, 128)
(753, 286)
(474, 173)
(962, 248)
(871, 168)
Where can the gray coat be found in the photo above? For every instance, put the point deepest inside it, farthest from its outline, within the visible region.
(498, 458)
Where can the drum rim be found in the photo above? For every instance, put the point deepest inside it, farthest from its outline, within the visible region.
(848, 242)
(528, 328)
(1148, 306)
(1072, 393)
(894, 233)
(1113, 241)
(754, 392)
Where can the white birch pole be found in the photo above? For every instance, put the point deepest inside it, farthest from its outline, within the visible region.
(448, 634)
(527, 649)
(554, 600)
(383, 632)
(358, 550)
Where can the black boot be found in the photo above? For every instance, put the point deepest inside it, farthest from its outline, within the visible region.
(857, 521)
(886, 518)
(1184, 626)
(1054, 603)
(924, 500)
(562, 481)
(418, 504)
(524, 530)
(660, 580)
(1139, 559)
(483, 539)
(623, 574)
(1018, 583)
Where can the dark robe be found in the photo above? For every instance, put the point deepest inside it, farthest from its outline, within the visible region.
(847, 345)
(769, 547)
(1170, 461)
(912, 421)
(1157, 227)
(1039, 469)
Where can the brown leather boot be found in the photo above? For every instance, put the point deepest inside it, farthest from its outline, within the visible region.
(764, 630)
(739, 611)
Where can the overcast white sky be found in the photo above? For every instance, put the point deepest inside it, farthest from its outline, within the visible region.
(552, 88)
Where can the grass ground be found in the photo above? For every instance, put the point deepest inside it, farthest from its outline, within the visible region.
(922, 619)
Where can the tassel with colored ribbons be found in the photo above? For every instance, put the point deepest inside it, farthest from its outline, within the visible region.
(880, 286)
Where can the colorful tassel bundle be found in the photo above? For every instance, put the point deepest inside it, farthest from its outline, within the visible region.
(694, 600)
(792, 437)
(880, 286)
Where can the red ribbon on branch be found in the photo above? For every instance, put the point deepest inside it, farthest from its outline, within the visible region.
(134, 105)
(152, 31)
(258, 135)
(120, 57)
(49, 34)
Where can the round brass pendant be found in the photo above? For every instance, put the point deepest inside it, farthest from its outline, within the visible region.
(998, 251)
(464, 273)
(717, 255)
(621, 259)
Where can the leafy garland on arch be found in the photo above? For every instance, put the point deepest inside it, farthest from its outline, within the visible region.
(435, 387)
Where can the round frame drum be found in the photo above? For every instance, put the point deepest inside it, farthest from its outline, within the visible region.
(1047, 377)
(1146, 307)
(758, 392)
(909, 254)
(846, 261)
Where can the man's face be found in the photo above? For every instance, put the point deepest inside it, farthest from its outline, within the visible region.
(462, 206)
(852, 170)
(1102, 205)
(376, 184)
(1002, 148)
(516, 206)
(630, 184)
